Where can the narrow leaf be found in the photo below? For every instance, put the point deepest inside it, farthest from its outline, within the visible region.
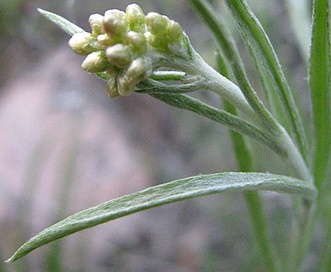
(67, 26)
(320, 87)
(235, 123)
(268, 66)
(171, 192)
(227, 45)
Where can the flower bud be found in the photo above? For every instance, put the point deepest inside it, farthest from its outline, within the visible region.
(175, 31)
(111, 88)
(124, 48)
(157, 24)
(115, 23)
(81, 43)
(159, 43)
(105, 40)
(119, 55)
(124, 88)
(136, 18)
(137, 42)
(96, 23)
(139, 69)
(95, 62)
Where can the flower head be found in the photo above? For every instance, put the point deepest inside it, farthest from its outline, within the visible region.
(128, 46)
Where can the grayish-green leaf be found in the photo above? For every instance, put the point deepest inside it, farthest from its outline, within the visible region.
(235, 123)
(227, 45)
(171, 192)
(64, 24)
(269, 67)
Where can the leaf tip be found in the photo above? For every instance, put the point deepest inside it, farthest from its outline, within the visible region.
(42, 12)
(17, 255)
(10, 260)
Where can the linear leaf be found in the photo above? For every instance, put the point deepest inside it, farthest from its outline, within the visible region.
(268, 66)
(235, 123)
(228, 47)
(163, 194)
(67, 26)
(320, 87)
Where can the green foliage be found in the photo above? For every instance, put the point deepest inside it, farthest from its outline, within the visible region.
(129, 49)
(170, 192)
(319, 71)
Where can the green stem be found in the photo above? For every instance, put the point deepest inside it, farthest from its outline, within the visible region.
(253, 199)
(303, 228)
(260, 229)
(324, 260)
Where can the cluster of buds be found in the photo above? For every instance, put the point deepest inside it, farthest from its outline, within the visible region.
(127, 46)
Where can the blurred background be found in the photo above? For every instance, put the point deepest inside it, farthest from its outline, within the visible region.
(64, 146)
